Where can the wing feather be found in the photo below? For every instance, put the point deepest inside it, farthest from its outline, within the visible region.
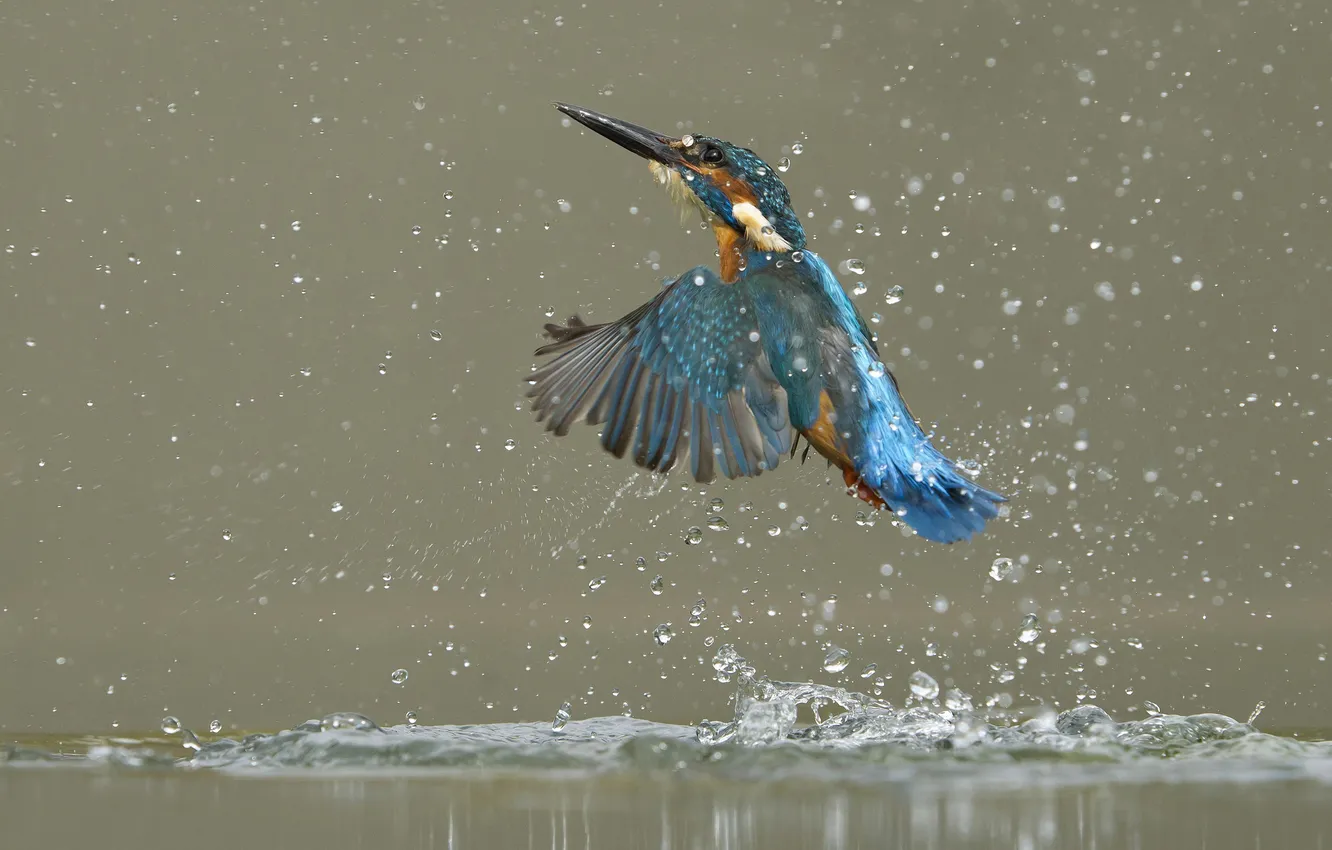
(681, 376)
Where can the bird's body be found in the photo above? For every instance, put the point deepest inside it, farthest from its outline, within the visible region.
(724, 373)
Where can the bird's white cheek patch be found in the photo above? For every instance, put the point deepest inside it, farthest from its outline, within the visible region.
(759, 230)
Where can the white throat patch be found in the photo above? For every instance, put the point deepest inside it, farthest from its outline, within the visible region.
(680, 193)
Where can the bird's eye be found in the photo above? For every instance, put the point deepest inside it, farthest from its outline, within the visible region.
(714, 156)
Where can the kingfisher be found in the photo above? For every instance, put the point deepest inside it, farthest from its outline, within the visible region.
(727, 370)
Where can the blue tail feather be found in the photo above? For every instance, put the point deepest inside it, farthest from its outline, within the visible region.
(931, 496)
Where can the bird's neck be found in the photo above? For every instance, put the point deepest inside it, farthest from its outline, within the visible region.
(736, 250)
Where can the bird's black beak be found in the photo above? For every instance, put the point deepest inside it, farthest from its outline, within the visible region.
(648, 144)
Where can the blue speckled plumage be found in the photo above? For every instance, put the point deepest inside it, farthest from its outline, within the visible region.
(727, 373)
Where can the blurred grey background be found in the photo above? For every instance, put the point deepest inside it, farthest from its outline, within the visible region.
(273, 274)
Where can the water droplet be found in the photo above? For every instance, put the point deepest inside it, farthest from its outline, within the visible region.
(854, 266)
(226, 535)
(693, 536)
(1152, 709)
(411, 718)
(869, 671)
(894, 294)
(715, 505)
(658, 584)
(956, 700)
(836, 660)
(596, 584)
(170, 725)
(347, 720)
(640, 563)
(510, 444)
(337, 508)
(398, 676)
(1031, 629)
(877, 369)
(774, 531)
(969, 466)
(1001, 568)
(215, 726)
(436, 335)
(562, 715)
(587, 622)
(416, 230)
(784, 165)
(662, 634)
(797, 149)
(383, 368)
(860, 288)
(923, 686)
(716, 523)
(448, 194)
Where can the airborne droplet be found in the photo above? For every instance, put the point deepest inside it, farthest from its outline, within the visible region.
(562, 715)
(923, 685)
(836, 660)
(1031, 629)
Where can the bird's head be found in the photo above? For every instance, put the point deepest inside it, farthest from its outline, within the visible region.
(739, 194)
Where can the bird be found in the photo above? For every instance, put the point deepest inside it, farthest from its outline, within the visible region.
(726, 370)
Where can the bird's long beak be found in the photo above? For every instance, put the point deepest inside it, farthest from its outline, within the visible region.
(648, 144)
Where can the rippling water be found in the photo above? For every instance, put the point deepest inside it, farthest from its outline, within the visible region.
(928, 775)
(869, 746)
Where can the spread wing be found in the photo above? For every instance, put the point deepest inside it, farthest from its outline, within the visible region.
(684, 374)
